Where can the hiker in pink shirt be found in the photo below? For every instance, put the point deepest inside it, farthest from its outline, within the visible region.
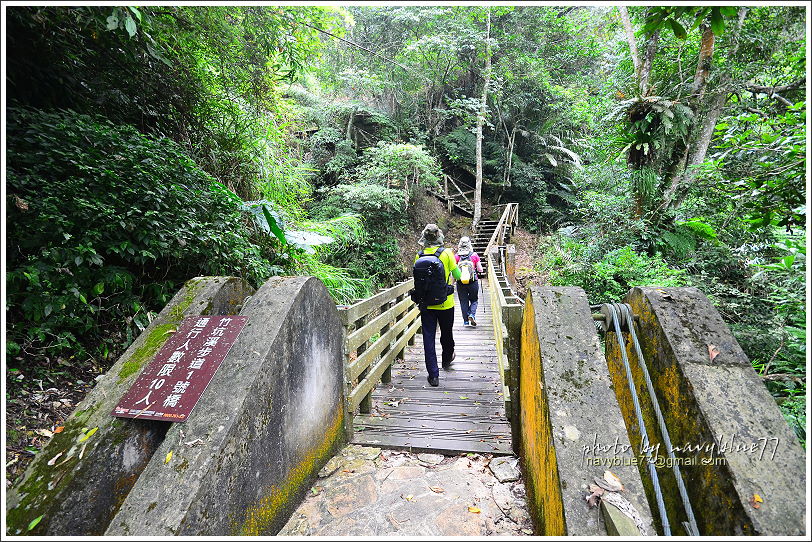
(468, 283)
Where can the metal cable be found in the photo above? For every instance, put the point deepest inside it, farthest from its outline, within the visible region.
(686, 503)
(658, 494)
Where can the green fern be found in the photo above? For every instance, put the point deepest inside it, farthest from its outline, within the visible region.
(679, 243)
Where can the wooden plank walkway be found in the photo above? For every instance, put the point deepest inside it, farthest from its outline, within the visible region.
(466, 413)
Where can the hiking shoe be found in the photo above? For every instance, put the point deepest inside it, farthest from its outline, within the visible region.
(434, 381)
(472, 321)
(447, 364)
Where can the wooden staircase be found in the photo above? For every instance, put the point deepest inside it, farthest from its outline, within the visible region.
(455, 198)
(481, 239)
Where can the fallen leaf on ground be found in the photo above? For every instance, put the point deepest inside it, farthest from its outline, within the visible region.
(756, 500)
(168, 457)
(35, 522)
(596, 492)
(407, 497)
(59, 429)
(44, 433)
(613, 481)
(474, 509)
(713, 351)
(437, 489)
(463, 397)
(54, 458)
(88, 434)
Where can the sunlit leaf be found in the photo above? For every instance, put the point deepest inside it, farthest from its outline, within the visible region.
(35, 522)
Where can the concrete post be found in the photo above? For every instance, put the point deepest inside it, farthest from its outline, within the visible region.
(734, 443)
(80, 478)
(572, 427)
(268, 421)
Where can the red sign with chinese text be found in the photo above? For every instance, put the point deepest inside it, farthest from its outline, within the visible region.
(170, 386)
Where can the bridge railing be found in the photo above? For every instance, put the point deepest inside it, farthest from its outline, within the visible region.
(507, 222)
(376, 332)
(506, 310)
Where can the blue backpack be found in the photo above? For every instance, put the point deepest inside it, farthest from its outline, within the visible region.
(430, 286)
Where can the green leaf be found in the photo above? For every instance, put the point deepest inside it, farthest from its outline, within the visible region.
(48, 309)
(275, 229)
(136, 12)
(728, 11)
(35, 522)
(98, 288)
(89, 434)
(112, 22)
(679, 30)
(129, 24)
(717, 22)
(551, 159)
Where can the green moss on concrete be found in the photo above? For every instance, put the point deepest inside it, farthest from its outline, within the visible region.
(266, 515)
(37, 488)
(160, 333)
(154, 341)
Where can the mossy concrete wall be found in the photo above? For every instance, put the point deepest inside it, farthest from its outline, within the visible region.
(80, 478)
(268, 421)
(741, 444)
(572, 429)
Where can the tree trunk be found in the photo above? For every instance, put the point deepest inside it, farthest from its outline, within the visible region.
(480, 120)
(648, 61)
(688, 157)
(627, 24)
(704, 64)
(511, 143)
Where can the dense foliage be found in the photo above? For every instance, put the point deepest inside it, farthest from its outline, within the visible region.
(106, 223)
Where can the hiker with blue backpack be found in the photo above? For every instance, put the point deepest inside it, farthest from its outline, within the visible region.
(434, 295)
(468, 284)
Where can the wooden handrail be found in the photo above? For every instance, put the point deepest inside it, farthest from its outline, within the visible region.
(510, 216)
(351, 313)
(507, 317)
(393, 316)
(458, 190)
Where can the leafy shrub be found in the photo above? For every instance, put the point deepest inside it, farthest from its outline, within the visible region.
(398, 165)
(105, 223)
(380, 206)
(566, 262)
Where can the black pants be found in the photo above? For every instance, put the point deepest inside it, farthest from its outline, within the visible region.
(429, 318)
(469, 299)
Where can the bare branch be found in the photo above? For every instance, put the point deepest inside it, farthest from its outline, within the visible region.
(756, 111)
(759, 89)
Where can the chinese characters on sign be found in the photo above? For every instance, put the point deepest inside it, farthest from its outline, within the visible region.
(172, 383)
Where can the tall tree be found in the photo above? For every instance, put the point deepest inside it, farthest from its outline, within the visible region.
(480, 120)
